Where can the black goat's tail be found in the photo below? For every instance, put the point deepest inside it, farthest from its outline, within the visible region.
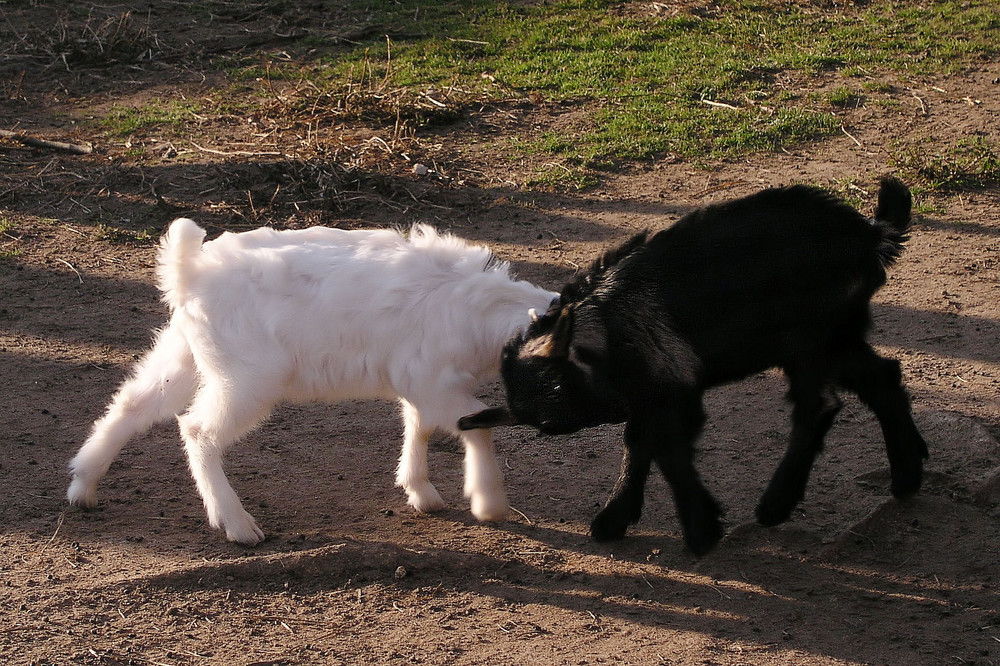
(892, 218)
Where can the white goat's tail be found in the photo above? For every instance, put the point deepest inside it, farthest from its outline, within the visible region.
(179, 248)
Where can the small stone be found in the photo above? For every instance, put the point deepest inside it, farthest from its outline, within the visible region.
(420, 170)
(400, 573)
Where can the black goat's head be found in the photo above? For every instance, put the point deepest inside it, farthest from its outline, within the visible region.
(554, 375)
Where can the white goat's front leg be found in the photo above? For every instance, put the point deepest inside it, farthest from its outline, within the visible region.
(214, 422)
(160, 388)
(483, 477)
(412, 474)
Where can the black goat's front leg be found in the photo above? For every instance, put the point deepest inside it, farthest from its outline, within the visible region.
(624, 506)
(671, 435)
(813, 414)
(878, 382)
(666, 435)
(699, 513)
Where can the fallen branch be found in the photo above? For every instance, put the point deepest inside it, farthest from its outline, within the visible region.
(79, 149)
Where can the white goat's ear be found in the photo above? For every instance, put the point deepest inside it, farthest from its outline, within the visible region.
(487, 418)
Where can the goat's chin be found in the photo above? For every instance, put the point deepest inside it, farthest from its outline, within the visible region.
(562, 427)
(550, 428)
(559, 429)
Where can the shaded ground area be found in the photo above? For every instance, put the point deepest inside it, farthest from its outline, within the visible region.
(349, 574)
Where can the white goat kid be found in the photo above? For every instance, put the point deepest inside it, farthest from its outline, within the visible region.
(266, 316)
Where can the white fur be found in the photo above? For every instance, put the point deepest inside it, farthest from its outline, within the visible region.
(266, 316)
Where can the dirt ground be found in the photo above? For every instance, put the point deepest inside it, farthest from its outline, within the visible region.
(349, 574)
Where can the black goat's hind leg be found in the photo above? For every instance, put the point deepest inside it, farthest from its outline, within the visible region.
(812, 416)
(878, 383)
(624, 506)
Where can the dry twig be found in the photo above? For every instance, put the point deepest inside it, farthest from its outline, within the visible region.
(842, 129)
(48, 543)
(80, 278)
(720, 105)
(242, 153)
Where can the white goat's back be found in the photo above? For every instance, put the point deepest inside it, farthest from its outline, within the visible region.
(343, 314)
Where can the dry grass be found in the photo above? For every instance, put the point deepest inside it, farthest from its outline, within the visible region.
(96, 41)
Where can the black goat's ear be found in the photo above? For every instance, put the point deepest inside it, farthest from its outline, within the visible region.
(554, 345)
(562, 335)
(488, 418)
(590, 339)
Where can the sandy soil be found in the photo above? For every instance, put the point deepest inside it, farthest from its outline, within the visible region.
(349, 574)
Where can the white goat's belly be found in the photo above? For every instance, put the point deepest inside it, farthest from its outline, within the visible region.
(340, 379)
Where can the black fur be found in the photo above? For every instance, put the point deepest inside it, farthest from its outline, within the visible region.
(782, 278)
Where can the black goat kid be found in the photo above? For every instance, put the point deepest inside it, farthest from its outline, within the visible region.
(782, 278)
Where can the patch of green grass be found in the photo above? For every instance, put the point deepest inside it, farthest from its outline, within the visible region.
(843, 97)
(876, 87)
(568, 177)
(126, 120)
(970, 164)
(923, 207)
(699, 82)
(123, 236)
(6, 226)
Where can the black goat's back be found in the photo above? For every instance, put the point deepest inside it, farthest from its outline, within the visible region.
(743, 282)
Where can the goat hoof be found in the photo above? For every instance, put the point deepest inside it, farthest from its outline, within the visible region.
(770, 514)
(489, 510)
(607, 526)
(426, 499)
(246, 533)
(701, 541)
(702, 525)
(907, 487)
(82, 493)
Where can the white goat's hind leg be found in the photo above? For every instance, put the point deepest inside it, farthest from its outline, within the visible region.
(160, 388)
(214, 422)
(412, 474)
(483, 477)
